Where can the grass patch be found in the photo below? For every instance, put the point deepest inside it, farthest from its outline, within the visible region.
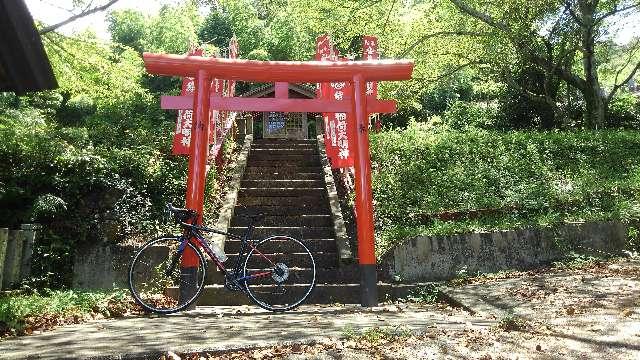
(511, 322)
(425, 294)
(21, 314)
(376, 334)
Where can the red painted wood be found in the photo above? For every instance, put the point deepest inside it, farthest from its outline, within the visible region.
(282, 90)
(197, 169)
(275, 71)
(364, 195)
(272, 104)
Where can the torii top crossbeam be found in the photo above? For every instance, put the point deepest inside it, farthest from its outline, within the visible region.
(278, 71)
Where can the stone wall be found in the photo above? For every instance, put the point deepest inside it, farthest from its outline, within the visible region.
(16, 250)
(430, 258)
(101, 266)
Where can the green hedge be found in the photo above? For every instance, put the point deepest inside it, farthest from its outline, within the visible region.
(447, 182)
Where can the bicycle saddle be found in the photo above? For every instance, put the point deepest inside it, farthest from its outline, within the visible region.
(180, 214)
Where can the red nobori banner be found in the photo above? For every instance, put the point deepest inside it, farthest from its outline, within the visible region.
(323, 47)
(324, 91)
(370, 52)
(182, 136)
(340, 132)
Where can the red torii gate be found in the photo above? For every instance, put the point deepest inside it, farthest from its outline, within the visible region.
(356, 72)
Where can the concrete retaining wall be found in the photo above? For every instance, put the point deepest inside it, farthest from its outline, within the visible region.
(106, 265)
(430, 258)
(102, 266)
(16, 250)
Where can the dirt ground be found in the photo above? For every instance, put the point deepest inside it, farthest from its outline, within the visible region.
(590, 312)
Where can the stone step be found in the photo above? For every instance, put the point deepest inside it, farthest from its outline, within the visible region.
(314, 245)
(275, 170)
(285, 141)
(286, 201)
(287, 220)
(300, 233)
(301, 184)
(301, 260)
(295, 150)
(313, 208)
(323, 276)
(217, 295)
(283, 176)
(284, 147)
(273, 156)
(284, 163)
(318, 193)
(266, 151)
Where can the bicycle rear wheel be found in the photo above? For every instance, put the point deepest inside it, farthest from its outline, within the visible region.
(280, 273)
(157, 281)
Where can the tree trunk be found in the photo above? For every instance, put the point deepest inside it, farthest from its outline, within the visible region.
(596, 108)
(593, 95)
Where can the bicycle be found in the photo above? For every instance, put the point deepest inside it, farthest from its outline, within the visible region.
(272, 269)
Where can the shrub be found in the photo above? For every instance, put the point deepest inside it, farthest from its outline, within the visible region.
(462, 115)
(76, 110)
(449, 181)
(624, 112)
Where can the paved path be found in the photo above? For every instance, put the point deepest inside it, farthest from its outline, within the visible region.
(218, 328)
(590, 313)
(572, 313)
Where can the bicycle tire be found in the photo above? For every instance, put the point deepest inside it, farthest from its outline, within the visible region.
(291, 269)
(149, 283)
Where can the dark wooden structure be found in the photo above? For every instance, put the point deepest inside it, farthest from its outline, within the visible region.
(24, 65)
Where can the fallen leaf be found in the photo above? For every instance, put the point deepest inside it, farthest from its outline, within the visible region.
(626, 313)
(570, 310)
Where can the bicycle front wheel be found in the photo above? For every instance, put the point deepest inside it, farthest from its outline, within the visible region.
(280, 273)
(157, 280)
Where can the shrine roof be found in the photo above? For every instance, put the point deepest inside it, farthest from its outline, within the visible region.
(266, 89)
(24, 65)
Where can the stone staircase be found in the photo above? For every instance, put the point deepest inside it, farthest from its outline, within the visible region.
(284, 179)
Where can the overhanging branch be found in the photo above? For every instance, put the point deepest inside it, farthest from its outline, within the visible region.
(82, 14)
(438, 34)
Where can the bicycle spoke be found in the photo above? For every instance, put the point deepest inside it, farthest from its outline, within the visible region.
(292, 273)
(154, 288)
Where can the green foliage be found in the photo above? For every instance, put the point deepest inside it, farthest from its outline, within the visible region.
(174, 30)
(512, 322)
(425, 294)
(128, 27)
(217, 29)
(376, 334)
(462, 115)
(76, 110)
(19, 311)
(633, 234)
(624, 111)
(449, 182)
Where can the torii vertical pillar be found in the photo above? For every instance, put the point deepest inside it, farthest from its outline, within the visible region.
(364, 194)
(196, 177)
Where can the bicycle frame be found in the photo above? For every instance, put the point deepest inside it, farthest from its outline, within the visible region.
(194, 232)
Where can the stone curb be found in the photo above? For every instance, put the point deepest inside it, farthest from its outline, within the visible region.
(226, 212)
(342, 238)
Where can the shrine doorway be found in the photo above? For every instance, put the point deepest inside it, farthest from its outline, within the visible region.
(280, 125)
(284, 125)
